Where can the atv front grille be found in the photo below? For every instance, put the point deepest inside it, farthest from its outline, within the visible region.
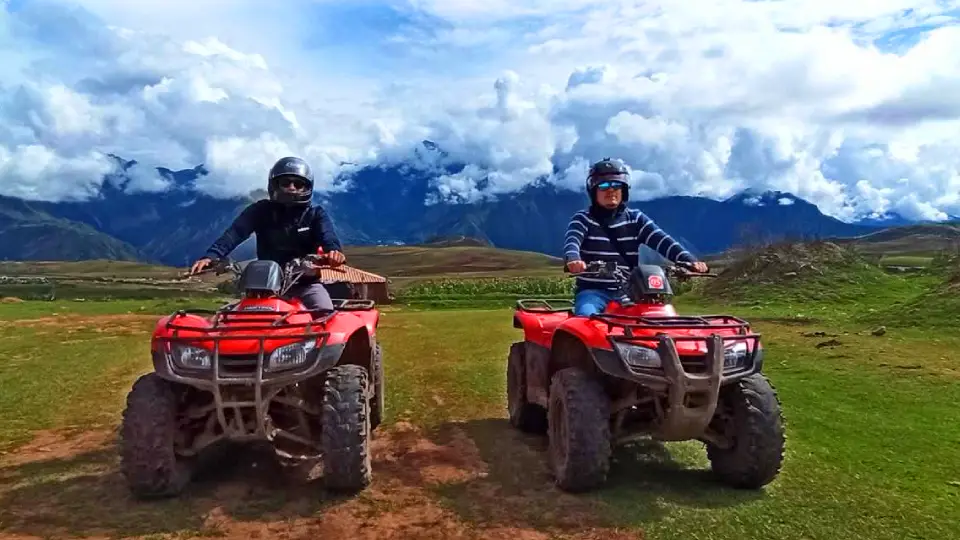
(694, 363)
(250, 371)
(238, 365)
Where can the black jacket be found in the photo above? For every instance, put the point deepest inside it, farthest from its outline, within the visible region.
(283, 232)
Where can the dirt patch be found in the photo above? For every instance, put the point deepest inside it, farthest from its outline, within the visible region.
(58, 444)
(406, 454)
(66, 484)
(11, 300)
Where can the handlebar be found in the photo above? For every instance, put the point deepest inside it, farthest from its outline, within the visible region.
(303, 265)
(218, 267)
(610, 269)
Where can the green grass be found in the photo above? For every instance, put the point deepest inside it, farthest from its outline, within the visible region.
(872, 421)
(31, 310)
(873, 435)
(419, 261)
(906, 260)
(64, 374)
(93, 268)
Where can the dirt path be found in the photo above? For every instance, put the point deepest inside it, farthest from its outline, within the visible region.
(437, 486)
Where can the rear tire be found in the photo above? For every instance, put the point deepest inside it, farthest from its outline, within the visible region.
(378, 406)
(757, 433)
(525, 416)
(345, 439)
(148, 462)
(579, 431)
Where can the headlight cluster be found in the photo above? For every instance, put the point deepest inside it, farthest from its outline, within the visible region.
(286, 357)
(290, 356)
(736, 356)
(190, 357)
(639, 356)
(644, 357)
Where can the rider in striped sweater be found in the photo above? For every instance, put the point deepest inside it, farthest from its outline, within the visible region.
(587, 241)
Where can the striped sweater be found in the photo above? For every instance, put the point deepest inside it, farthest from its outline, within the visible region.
(585, 240)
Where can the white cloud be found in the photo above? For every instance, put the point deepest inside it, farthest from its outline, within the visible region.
(852, 105)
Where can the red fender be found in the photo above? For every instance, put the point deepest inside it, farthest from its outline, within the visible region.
(346, 323)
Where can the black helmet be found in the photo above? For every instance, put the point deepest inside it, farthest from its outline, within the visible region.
(608, 170)
(290, 167)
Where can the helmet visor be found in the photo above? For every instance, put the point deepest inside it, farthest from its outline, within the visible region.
(292, 182)
(611, 184)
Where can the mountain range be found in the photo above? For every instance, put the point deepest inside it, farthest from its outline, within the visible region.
(383, 205)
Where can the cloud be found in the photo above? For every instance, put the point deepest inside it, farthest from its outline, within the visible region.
(851, 105)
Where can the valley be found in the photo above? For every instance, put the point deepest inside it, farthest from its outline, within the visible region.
(865, 365)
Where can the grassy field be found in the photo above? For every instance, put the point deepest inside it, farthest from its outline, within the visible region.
(873, 427)
(418, 274)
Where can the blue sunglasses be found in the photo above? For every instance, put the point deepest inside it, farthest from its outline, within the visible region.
(610, 185)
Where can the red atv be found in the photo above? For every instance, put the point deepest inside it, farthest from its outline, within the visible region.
(640, 370)
(263, 369)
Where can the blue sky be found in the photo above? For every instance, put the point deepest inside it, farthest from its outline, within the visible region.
(852, 105)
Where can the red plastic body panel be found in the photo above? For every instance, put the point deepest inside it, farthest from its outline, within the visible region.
(247, 313)
(539, 328)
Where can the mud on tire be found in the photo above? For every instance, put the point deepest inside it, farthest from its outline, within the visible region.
(579, 431)
(528, 417)
(147, 434)
(756, 429)
(379, 404)
(346, 429)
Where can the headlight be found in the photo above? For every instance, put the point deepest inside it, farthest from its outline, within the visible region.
(638, 356)
(290, 356)
(190, 357)
(736, 356)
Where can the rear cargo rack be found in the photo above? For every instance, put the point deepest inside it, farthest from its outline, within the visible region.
(544, 306)
(353, 304)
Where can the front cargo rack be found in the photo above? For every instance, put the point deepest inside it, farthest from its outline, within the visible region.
(631, 323)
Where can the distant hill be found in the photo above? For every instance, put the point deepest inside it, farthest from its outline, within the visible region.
(402, 205)
(907, 240)
(27, 233)
(389, 261)
(450, 241)
(418, 261)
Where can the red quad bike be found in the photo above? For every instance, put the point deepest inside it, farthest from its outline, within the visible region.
(641, 370)
(260, 370)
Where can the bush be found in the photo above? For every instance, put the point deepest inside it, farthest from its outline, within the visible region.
(451, 288)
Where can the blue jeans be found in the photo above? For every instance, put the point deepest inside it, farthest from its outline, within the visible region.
(590, 301)
(313, 295)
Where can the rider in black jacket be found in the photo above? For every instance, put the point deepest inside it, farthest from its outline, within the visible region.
(288, 225)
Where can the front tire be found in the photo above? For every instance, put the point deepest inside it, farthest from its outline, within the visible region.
(525, 416)
(579, 431)
(755, 427)
(379, 404)
(345, 439)
(148, 462)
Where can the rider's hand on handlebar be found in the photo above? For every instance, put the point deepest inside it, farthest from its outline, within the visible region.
(576, 267)
(700, 267)
(200, 265)
(335, 258)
